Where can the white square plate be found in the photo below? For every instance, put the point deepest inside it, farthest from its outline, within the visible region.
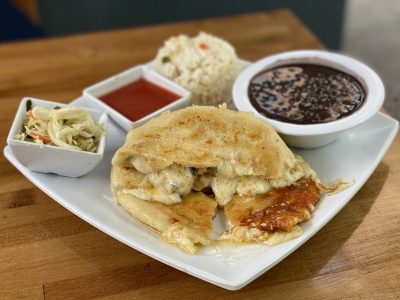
(354, 155)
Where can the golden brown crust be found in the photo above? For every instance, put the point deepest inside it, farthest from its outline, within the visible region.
(204, 136)
(278, 211)
(186, 224)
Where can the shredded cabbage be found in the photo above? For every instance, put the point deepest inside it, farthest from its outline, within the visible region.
(69, 127)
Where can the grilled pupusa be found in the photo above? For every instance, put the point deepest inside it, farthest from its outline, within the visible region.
(233, 157)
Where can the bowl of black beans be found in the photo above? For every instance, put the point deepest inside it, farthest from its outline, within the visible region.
(310, 97)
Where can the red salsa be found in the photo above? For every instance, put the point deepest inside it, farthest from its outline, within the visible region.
(138, 99)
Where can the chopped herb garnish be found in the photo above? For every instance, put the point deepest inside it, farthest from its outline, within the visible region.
(193, 171)
(212, 171)
(165, 60)
(173, 187)
(28, 105)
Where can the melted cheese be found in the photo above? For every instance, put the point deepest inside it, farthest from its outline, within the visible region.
(242, 234)
(224, 188)
(169, 184)
(232, 169)
(291, 175)
(140, 163)
(174, 179)
(202, 181)
(252, 185)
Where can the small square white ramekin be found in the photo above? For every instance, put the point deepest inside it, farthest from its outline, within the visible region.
(117, 81)
(49, 158)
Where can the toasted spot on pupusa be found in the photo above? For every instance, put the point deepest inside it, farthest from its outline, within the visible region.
(273, 216)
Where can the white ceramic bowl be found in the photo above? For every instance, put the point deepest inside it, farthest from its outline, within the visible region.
(115, 82)
(314, 135)
(53, 159)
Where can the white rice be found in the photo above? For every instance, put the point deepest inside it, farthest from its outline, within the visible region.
(205, 65)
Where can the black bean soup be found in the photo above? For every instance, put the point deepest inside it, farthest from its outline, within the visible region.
(305, 94)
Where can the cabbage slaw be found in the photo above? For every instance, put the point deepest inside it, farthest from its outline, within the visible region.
(68, 127)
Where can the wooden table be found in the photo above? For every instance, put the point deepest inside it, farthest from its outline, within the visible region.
(47, 252)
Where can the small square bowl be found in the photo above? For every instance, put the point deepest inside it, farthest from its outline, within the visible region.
(49, 158)
(113, 83)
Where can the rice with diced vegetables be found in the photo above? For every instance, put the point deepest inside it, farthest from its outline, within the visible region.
(205, 65)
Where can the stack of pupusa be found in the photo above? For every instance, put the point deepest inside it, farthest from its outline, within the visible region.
(173, 172)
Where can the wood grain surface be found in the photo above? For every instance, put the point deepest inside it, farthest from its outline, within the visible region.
(47, 252)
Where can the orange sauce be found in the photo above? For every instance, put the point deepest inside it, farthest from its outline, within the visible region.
(290, 206)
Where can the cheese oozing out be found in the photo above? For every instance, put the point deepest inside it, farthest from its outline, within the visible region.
(170, 184)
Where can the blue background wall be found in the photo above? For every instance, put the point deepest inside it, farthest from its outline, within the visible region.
(59, 17)
(324, 17)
